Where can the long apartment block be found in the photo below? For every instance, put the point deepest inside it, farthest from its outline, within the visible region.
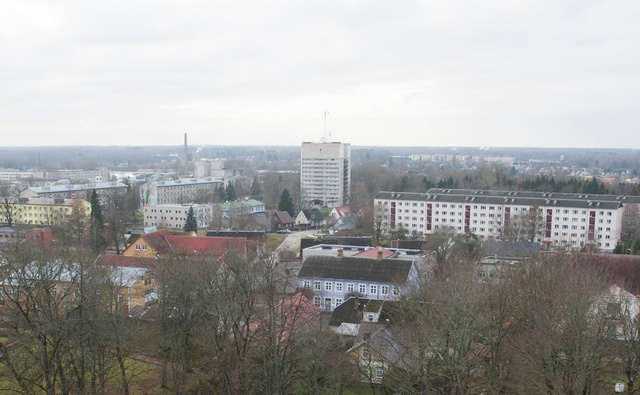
(554, 219)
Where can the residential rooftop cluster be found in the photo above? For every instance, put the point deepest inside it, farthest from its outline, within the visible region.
(367, 284)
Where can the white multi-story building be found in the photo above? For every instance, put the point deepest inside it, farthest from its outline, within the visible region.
(176, 191)
(325, 173)
(101, 174)
(555, 219)
(174, 216)
(13, 175)
(73, 191)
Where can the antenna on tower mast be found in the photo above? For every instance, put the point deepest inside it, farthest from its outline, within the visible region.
(324, 139)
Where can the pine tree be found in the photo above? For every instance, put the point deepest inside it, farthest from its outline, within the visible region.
(256, 191)
(286, 202)
(230, 193)
(191, 225)
(96, 225)
(220, 192)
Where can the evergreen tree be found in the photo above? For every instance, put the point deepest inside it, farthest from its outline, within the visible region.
(256, 192)
(230, 193)
(220, 192)
(191, 225)
(286, 202)
(96, 225)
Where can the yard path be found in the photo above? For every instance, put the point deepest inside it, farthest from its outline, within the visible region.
(292, 241)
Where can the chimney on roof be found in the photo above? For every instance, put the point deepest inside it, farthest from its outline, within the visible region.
(340, 252)
(379, 256)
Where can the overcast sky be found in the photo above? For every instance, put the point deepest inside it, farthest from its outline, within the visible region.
(402, 73)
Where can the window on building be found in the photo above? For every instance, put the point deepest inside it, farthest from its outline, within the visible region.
(339, 287)
(379, 373)
(317, 285)
(384, 290)
(373, 289)
(362, 288)
(328, 286)
(350, 287)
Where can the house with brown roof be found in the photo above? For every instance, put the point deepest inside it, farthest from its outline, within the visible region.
(281, 220)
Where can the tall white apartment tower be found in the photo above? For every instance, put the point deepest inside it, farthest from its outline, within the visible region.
(325, 173)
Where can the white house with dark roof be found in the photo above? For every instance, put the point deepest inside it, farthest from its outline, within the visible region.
(334, 279)
(563, 220)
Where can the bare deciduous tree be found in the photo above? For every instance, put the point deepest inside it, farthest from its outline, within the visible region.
(9, 211)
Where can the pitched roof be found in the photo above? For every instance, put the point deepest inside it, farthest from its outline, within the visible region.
(343, 211)
(164, 242)
(350, 312)
(510, 248)
(357, 269)
(69, 272)
(206, 245)
(156, 240)
(283, 217)
(387, 346)
(373, 253)
(126, 261)
(127, 276)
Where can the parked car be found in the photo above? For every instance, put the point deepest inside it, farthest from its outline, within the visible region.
(283, 231)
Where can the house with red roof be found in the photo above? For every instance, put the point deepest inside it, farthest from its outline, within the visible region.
(163, 243)
(339, 212)
(127, 261)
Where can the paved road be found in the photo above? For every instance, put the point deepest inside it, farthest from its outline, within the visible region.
(292, 241)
